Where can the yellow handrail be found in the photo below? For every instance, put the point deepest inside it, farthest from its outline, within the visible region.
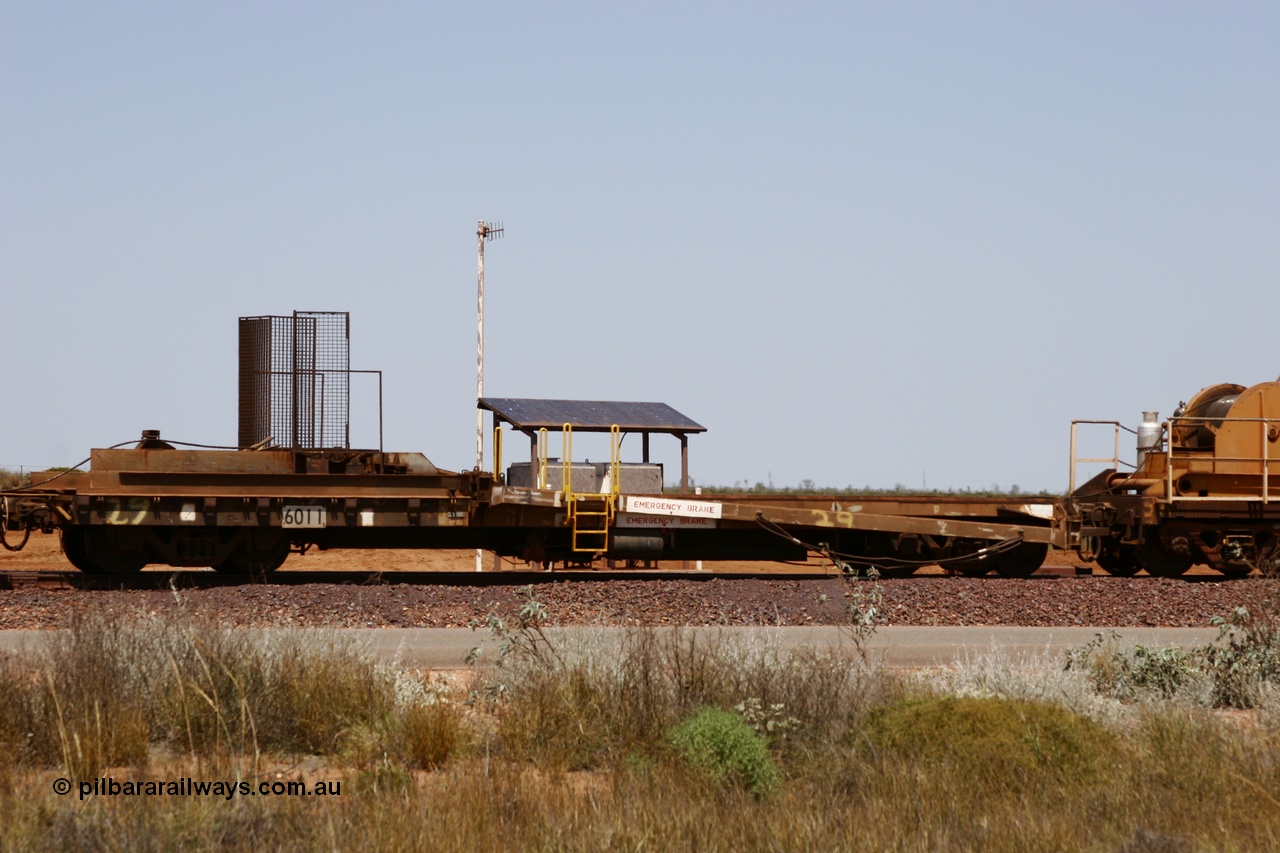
(497, 451)
(591, 514)
(1113, 460)
(541, 482)
(566, 464)
(615, 460)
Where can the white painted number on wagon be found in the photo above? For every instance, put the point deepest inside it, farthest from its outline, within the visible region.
(303, 516)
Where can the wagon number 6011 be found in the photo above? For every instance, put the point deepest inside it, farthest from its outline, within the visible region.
(303, 516)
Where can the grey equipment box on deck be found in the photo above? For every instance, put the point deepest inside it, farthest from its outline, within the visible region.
(638, 478)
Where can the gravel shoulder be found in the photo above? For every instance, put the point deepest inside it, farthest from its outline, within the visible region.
(941, 601)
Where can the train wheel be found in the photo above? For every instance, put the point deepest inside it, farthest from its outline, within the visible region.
(1160, 563)
(260, 555)
(1118, 560)
(115, 552)
(1022, 561)
(74, 549)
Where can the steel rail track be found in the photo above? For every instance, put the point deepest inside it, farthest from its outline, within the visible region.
(204, 579)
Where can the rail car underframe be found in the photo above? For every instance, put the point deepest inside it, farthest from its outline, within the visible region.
(1166, 537)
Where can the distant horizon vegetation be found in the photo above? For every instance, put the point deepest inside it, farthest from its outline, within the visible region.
(10, 478)
(808, 487)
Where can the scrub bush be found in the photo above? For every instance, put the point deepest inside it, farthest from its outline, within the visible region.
(722, 745)
(994, 738)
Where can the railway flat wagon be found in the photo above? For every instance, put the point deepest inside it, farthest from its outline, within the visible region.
(244, 511)
(294, 482)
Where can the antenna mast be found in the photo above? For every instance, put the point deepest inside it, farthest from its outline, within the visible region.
(484, 231)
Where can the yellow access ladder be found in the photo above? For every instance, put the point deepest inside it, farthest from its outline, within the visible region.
(590, 515)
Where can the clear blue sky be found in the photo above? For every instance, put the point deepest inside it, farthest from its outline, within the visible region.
(862, 243)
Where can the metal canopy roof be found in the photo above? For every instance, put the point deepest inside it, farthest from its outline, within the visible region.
(589, 415)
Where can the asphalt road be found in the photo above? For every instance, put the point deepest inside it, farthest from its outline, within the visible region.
(903, 647)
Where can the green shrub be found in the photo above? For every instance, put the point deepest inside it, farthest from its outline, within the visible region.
(1234, 670)
(1015, 739)
(1137, 672)
(1245, 658)
(720, 744)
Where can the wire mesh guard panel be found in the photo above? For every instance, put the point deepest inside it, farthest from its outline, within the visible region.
(295, 380)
